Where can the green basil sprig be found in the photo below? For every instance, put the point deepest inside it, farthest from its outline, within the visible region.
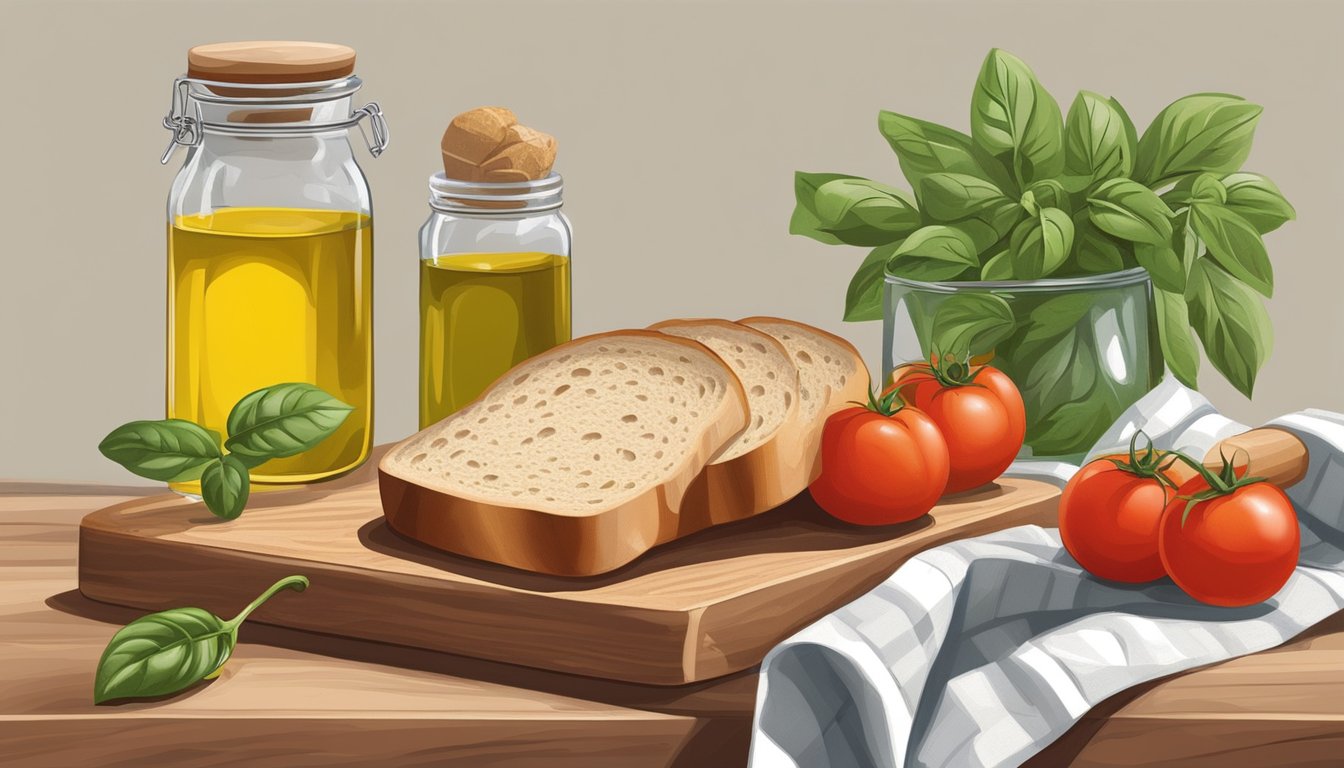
(169, 651)
(1036, 194)
(270, 423)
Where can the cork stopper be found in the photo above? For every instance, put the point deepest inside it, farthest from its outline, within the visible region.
(270, 61)
(488, 144)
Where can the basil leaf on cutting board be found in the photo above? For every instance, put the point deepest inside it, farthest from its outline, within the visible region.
(170, 450)
(225, 487)
(166, 652)
(283, 420)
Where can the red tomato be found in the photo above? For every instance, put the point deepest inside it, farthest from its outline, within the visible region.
(1232, 550)
(1108, 519)
(984, 421)
(880, 469)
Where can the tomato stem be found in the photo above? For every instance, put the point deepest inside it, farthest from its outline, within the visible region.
(888, 403)
(1224, 483)
(949, 371)
(1149, 462)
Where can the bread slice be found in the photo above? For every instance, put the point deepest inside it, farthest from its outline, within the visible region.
(574, 462)
(831, 375)
(751, 475)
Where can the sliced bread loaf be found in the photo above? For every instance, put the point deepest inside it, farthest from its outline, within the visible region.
(574, 462)
(750, 476)
(831, 374)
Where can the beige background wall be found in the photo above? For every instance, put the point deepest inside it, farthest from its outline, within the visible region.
(680, 124)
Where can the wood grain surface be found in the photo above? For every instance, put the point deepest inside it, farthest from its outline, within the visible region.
(698, 608)
(365, 703)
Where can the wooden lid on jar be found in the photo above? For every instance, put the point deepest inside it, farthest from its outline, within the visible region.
(270, 61)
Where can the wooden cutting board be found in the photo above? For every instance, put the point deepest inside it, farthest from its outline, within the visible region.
(697, 608)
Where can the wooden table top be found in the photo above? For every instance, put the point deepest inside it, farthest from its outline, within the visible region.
(360, 703)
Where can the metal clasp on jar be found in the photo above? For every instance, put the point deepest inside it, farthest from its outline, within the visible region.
(188, 129)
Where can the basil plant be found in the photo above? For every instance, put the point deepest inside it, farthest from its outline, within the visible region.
(1032, 193)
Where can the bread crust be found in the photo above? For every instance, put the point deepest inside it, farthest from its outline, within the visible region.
(757, 481)
(562, 543)
(802, 448)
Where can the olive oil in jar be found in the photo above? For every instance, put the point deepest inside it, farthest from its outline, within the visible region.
(481, 314)
(261, 296)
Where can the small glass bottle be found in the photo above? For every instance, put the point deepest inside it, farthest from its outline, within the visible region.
(494, 284)
(270, 242)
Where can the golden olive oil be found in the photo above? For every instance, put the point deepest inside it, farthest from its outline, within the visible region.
(481, 314)
(261, 296)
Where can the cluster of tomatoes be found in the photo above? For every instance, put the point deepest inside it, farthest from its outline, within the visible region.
(1225, 538)
(941, 427)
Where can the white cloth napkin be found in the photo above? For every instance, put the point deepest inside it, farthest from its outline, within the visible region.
(984, 651)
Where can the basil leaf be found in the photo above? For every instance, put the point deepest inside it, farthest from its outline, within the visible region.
(1097, 251)
(1257, 200)
(283, 420)
(1231, 322)
(971, 324)
(934, 253)
(225, 487)
(950, 197)
(1013, 115)
(172, 450)
(169, 651)
(924, 148)
(1040, 245)
(861, 212)
(1050, 320)
(863, 299)
(1204, 132)
(162, 653)
(1176, 337)
(1163, 265)
(1099, 140)
(998, 267)
(1049, 193)
(1130, 211)
(805, 221)
(1236, 246)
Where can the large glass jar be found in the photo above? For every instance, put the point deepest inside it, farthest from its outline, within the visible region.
(1080, 350)
(494, 284)
(270, 242)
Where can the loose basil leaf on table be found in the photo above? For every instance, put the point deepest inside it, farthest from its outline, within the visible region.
(1130, 211)
(1231, 322)
(283, 420)
(934, 253)
(1257, 200)
(1099, 140)
(169, 450)
(1203, 132)
(1177, 337)
(1234, 243)
(1013, 116)
(1041, 244)
(225, 487)
(863, 300)
(166, 652)
(923, 148)
(853, 210)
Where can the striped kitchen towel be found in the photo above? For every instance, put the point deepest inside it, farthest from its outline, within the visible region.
(984, 651)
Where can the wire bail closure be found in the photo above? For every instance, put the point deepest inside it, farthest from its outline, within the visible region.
(189, 129)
